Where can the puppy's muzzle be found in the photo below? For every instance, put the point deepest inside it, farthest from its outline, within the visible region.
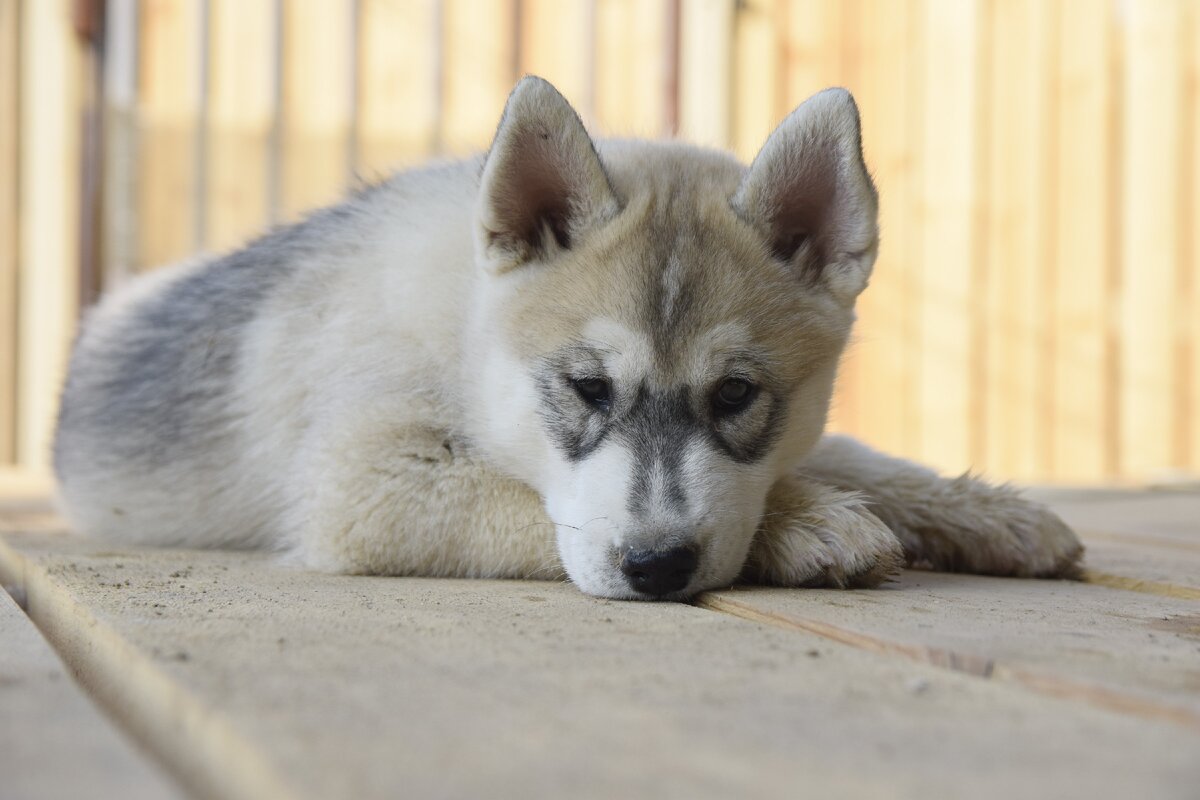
(659, 572)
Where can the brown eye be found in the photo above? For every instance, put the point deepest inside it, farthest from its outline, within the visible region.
(596, 392)
(732, 395)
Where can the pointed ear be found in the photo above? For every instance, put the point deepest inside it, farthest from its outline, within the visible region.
(543, 184)
(809, 193)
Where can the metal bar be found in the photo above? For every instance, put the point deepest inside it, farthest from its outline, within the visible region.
(671, 53)
(355, 93)
(89, 27)
(200, 154)
(275, 148)
(517, 67)
(439, 77)
(589, 98)
(119, 222)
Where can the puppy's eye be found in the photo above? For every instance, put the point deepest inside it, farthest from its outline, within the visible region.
(732, 395)
(596, 392)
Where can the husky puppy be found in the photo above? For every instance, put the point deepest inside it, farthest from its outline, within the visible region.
(611, 360)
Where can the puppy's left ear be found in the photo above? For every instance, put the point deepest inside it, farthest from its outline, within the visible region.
(543, 184)
(809, 193)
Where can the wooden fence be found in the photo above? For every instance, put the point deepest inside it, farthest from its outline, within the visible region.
(1036, 307)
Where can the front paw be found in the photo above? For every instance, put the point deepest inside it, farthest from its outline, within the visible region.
(976, 527)
(814, 535)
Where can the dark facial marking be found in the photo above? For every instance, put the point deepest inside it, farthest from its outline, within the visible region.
(576, 400)
(581, 409)
(747, 441)
(657, 428)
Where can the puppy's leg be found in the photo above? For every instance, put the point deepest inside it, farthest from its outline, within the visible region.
(815, 535)
(390, 500)
(960, 524)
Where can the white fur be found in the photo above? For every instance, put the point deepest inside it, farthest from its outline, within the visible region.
(383, 412)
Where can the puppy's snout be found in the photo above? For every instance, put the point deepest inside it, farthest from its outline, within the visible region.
(659, 572)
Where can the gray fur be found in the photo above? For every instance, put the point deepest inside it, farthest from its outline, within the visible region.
(166, 384)
(386, 387)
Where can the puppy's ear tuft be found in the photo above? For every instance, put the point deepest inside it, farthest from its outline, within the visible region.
(543, 184)
(809, 193)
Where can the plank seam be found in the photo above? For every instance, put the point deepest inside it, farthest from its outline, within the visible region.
(1112, 581)
(966, 663)
(1139, 540)
(195, 744)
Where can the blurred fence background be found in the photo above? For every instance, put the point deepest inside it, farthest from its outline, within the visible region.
(1036, 307)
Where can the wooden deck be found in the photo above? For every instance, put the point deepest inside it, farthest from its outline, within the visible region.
(224, 675)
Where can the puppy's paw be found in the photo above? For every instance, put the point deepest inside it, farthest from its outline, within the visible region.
(972, 526)
(814, 535)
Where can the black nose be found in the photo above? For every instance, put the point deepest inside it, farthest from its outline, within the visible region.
(659, 572)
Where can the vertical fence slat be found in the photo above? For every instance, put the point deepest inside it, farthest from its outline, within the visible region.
(1019, 221)
(1084, 164)
(706, 61)
(877, 387)
(316, 103)
(10, 40)
(167, 110)
(555, 44)
(1189, 215)
(241, 87)
(755, 76)
(1037, 296)
(479, 44)
(631, 96)
(119, 218)
(812, 59)
(398, 101)
(1150, 248)
(948, 197)
(200, 153)
(49, 225)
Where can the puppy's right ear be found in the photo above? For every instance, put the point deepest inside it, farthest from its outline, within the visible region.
(810, 194)
(543, 184)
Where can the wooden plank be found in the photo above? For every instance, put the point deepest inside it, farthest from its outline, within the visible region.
(1174, 515)
(480, 69)
(706, 71)
(25, 487)
(168, 110)
(632, 71)
(876, 389)
(242, 98)
(1191, 243)
(813, 49)
(54, 743)
(556, 43)
(26, 505)
(948, 199)
(1051, 637)
(1018, 239)
(317, 84)
(1083, 426)
(49, 223)
(398, 104)
(512, 689)
(1143, 562)
(10, 60)
(1151, 190)
(755, 82)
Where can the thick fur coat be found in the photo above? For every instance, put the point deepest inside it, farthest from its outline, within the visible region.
(606, 360)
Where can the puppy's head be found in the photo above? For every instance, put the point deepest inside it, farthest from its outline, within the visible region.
(658, 327)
